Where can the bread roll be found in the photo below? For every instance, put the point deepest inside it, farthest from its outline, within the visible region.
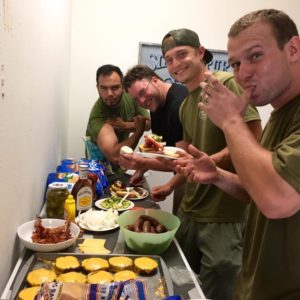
(126, 150)
(39, 276)
(28, 293)
(72, 277)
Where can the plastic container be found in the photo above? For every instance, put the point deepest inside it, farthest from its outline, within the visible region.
(149, 243)
(56, 195)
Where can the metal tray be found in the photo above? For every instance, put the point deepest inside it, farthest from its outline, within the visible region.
(159, 285)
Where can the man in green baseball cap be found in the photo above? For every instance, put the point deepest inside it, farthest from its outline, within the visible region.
(184, 37)
(211, 227)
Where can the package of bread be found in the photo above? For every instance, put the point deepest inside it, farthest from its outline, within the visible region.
(132, 289)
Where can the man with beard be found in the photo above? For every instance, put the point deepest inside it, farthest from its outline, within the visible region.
(163, 99)
(114, 116)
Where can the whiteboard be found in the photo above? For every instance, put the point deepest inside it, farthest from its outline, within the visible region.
(150, 54)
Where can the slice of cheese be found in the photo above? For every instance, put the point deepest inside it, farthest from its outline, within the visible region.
(95, 246)
(93, 242)
(95, 250)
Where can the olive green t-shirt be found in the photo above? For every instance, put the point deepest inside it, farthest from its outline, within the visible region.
(271, 255)
(206, 203)
(100, 112)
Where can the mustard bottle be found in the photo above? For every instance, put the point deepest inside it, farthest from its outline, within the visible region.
(70, 209)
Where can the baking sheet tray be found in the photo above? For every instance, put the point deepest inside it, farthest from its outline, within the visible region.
(159, 285)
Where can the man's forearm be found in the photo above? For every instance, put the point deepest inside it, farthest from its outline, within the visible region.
(130, 126)
(230, 184)
(176, 180)
(154, 164)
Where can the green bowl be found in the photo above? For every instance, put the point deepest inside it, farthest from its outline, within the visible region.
(149, 243)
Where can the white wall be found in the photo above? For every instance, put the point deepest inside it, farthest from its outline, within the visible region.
(34, 69)
(110, 31)
(38, 126)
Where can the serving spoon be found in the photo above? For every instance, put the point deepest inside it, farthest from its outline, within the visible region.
(128, 189)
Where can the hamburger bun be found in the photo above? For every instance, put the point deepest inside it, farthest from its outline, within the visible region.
(126, 150)
(132, 194)
(118, 186)
(142, 148)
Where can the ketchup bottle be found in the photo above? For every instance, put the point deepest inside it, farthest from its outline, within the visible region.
(93, 179)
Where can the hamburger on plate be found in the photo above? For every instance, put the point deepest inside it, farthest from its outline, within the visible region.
(153, 143)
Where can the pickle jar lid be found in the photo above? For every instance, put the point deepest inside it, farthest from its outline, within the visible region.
(58, 185)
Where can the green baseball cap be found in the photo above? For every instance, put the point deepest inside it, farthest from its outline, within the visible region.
(183, 37)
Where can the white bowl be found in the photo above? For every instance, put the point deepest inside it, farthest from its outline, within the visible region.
(25, 232)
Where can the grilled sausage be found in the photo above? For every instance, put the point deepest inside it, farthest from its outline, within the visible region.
(146, 226)
(160, 228)
(130, 227)
(138, 225)
(153, 221)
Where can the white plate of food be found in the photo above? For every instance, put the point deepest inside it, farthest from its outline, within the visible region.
(98, 220)
(113, 202)
(167, 152)
(136, 193)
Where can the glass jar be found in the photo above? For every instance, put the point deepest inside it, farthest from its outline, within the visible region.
(56, 195)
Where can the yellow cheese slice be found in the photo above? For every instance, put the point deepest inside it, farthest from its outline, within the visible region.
(95, 246)
(93, 242)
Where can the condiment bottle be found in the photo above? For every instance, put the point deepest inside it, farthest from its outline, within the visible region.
(55, 199)
(82, 190)
(70, 209)
(93, 179)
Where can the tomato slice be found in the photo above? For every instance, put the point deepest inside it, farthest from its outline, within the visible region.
(151, 141)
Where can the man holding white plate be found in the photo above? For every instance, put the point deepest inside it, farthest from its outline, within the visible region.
(163, 100)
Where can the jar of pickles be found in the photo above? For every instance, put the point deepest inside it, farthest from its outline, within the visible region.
(56, 195)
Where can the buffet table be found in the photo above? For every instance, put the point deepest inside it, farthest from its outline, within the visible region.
(173, 257)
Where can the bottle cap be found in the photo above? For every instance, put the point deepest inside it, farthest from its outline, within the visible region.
(84, 166)
(70, 198)
(58, 185)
